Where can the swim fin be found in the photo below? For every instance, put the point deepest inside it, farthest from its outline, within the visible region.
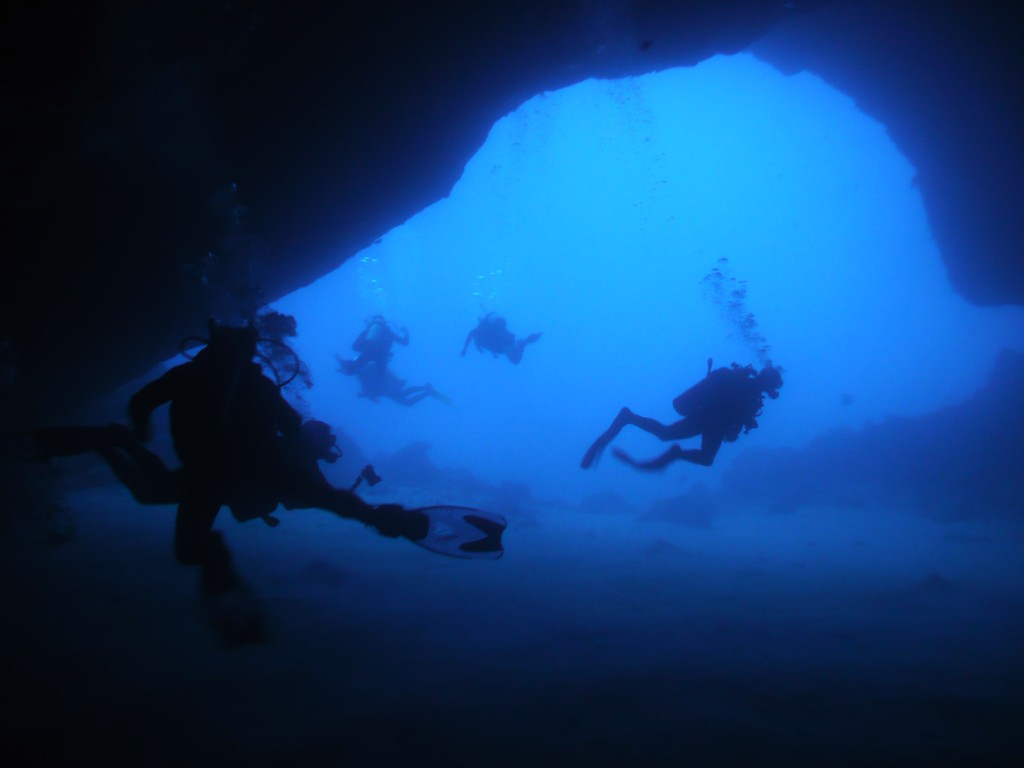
(442, 397)
(463, 532)
(594, 451)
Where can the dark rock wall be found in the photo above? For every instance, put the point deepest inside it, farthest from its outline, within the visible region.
(944, 78)
(124, 124)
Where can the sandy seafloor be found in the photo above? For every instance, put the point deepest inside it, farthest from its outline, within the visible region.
(764, 639)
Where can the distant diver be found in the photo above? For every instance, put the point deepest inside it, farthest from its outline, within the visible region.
(721, 405)
(370, 366)
(492, 334)
(374, 344)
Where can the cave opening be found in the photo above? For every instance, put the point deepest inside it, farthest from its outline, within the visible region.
(643, 226)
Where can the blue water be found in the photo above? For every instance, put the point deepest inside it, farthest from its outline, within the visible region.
(594, 215)
(635, 619)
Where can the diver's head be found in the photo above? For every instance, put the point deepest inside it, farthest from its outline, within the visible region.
(769, 379)
(237, 343)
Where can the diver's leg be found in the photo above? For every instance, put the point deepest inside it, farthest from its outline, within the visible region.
(140, 470)
(192, 528)
(409, 396)
(672, 454)
(69, 441)
(413, 395)
(149, 482)
(196, 544)
(514, 352)
(704, 456)
(594, 451)
(709, 445)
(226, 603)
(676, 431)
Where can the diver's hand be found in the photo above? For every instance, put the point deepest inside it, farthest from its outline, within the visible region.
(394, 521)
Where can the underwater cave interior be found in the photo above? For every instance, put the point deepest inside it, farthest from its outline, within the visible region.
(642, 226)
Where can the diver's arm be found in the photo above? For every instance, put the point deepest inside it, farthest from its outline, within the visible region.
(469, 338)
(390, 520)
(152, 396)
(403, 339)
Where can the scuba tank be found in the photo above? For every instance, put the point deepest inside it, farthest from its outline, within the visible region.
(377, 330)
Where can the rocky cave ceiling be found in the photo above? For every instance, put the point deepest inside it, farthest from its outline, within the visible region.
(338, 121)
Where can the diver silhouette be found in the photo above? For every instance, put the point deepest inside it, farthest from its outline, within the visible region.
(227, 422)
(370, 366)
(240, 444)
(374, 344)
(377, 381)
(225, 416)
(492, 334)
(243, 446)
(718, 407)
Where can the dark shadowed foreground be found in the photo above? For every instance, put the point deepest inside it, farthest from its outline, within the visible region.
(823, 636)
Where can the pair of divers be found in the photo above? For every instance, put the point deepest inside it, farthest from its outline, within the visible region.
(376, 340)
(374, 346)
(726, 402)
(242, 445)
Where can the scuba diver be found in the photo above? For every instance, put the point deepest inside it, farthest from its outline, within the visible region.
(370, 366)
(719, 406)
(376, 381)
(225, 417)
(492, 334)
(242, 445)
(374, 345)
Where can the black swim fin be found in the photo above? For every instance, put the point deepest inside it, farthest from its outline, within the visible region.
(463, 532)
